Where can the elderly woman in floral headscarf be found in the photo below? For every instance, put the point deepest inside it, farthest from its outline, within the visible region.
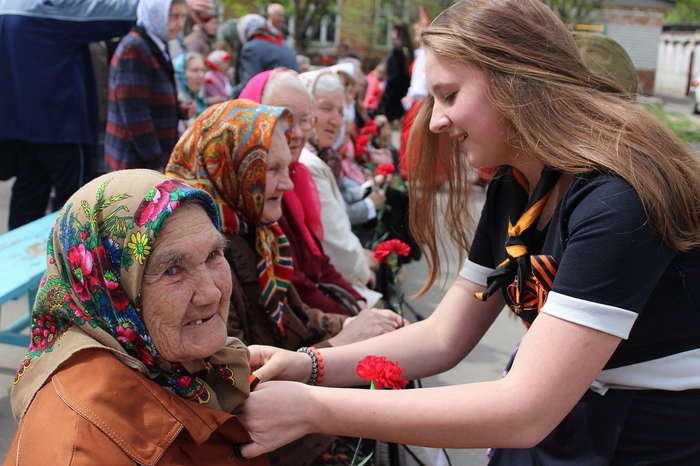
(238, 152)
(131, 318)
(319, 284)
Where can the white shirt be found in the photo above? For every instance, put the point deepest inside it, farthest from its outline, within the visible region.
(339, 242)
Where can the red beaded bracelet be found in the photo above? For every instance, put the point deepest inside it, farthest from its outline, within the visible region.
(321, 365)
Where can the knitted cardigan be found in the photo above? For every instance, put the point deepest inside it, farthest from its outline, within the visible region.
(142, 112)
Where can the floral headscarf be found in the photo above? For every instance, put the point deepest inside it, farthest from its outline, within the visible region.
(225, 153)
(90, 296)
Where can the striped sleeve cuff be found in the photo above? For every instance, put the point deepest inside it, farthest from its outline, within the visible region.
(609, 319)
(474, 272)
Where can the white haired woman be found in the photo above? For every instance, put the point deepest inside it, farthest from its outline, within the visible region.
(342, 246)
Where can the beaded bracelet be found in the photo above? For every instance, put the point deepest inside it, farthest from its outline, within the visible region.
(317, 364)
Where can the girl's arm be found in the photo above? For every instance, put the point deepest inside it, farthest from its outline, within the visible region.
(425, 348)
(555, 365)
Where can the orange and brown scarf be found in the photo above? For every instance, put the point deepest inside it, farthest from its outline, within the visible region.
(525, 278)
(225, 153)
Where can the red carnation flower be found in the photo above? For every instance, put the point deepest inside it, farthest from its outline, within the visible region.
(370, 128)
(386, 169)
(381, 371)
(326, 60)
(385, 248)
(361, 146)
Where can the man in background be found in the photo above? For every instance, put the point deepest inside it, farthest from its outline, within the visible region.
(276, 19)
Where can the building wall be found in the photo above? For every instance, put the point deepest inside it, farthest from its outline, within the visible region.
(638, 31)
(679, 61)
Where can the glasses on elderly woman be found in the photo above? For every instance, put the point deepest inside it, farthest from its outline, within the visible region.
(305, 122)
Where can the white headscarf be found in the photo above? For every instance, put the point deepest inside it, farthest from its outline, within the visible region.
(248, 25)
(153, 16)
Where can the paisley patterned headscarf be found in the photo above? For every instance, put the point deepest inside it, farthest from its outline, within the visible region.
(302, 202)
(225, 153)
(90, 296)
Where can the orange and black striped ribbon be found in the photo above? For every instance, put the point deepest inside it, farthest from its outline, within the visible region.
(520, 273)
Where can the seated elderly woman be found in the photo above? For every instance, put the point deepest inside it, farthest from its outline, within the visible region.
(237, 151)
(347, 255)
(318, 283)
(192, 93)
(129, 361)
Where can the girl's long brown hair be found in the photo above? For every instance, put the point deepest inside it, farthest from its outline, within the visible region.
(558, 111)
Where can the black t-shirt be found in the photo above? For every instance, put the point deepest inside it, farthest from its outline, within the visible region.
(614, 275)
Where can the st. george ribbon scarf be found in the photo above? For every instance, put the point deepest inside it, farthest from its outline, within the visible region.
(525, 279)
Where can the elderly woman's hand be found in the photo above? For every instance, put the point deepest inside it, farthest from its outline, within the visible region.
(275, 414)
(367, 324)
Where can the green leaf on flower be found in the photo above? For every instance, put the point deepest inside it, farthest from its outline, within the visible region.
(104, 204)
(86, 209)
(364, 461)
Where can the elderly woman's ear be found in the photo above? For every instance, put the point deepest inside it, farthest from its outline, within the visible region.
(187, 287)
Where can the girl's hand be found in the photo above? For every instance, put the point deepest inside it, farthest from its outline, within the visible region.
(270, 363)
(275, 414)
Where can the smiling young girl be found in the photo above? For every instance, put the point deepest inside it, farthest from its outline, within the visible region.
(589, 233)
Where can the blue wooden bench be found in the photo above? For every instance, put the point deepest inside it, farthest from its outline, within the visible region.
(22, 264)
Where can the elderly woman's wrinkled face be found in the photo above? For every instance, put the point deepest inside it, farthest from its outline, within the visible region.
(277, 181)
(194, 73)
(187, 287)
(329, 117)
(299, 103)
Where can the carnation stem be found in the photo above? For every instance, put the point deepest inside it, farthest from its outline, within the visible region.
(357, 448)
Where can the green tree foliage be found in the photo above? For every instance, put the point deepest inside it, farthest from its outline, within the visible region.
(685, 11)
(306, 13)
(576, 11)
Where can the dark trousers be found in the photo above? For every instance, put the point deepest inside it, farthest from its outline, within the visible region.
(41, 167)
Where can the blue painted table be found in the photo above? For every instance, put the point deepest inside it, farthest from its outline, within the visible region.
(22, 264)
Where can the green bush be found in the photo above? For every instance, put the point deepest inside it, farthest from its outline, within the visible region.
(684, 127)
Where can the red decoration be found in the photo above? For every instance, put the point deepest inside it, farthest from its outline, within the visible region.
(381, 371)
(385, 248)
(211, 65)
(227, 57)
(361, 145)
(385, 169)
(326, 60)
(370, 128)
